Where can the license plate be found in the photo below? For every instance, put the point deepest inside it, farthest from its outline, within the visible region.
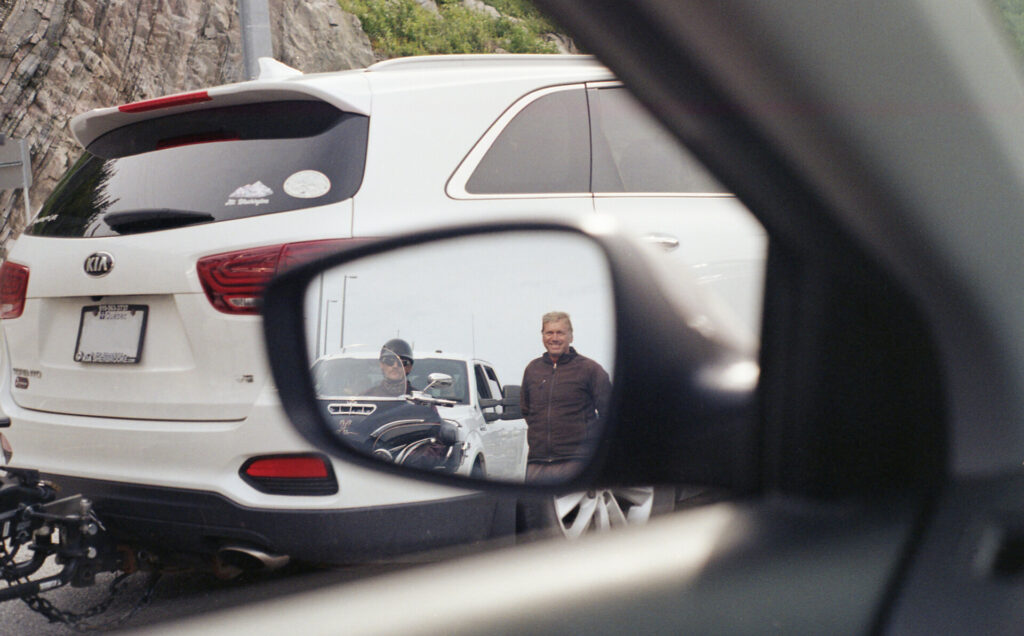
(111, 334)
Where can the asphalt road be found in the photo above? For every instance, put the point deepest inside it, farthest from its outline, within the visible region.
(175, 596)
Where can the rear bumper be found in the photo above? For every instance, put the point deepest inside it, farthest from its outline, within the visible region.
(193, 521)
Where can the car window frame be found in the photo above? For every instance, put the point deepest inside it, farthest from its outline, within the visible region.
(456, 184)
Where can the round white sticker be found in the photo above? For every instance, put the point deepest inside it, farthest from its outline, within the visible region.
(307, 184)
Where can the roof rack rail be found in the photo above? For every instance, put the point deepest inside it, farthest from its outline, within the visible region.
(506, 59)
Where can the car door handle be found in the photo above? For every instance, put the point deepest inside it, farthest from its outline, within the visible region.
(665, 241)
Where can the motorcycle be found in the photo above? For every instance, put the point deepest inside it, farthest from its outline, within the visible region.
(375, 408)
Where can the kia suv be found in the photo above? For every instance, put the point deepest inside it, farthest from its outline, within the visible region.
(134, 370)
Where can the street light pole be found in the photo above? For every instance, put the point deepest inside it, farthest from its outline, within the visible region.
(319, 315)
(344, 293)
(327, 321)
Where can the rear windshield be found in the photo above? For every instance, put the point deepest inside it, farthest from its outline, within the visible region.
(210, 165)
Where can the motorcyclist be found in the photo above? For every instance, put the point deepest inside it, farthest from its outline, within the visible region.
(395, 365)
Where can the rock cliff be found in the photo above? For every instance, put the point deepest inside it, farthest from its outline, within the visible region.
(59, 58)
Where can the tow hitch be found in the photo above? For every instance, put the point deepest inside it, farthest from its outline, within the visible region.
(34, 526)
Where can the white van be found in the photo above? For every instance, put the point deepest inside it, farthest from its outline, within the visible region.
(135, 370)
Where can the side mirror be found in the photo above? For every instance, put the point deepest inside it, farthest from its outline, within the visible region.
(486, 405)
(511, 408)
(439, 380)
(670, 395)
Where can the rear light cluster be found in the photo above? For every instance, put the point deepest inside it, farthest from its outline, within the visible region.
(290, 475)
(234, 281)
(13, 286)
(182, 99)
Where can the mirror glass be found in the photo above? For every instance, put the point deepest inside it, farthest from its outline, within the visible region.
(420, 355)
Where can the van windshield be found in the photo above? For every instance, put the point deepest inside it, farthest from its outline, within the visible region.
(209, 165)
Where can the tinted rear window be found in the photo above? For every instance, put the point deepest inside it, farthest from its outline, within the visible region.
(210, 165)
(633, 152)
(544, 149)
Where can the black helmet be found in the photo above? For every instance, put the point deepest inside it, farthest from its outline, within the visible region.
(398, 347)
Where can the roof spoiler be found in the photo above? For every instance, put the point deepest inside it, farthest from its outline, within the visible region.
(271, 69)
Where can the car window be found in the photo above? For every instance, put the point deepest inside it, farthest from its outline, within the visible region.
(492, 380)
(634, 153)
(481, 383)
(458, 391)
(237, 161)
(544, 149)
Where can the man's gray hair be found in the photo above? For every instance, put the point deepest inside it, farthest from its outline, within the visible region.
(555, 316)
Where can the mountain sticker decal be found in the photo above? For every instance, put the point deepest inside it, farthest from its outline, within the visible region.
(251, 194)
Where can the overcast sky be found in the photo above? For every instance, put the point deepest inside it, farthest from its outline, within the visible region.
(482, 296)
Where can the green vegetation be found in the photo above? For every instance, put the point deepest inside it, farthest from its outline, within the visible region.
(398, 28)
(1013, 15)
(524, 11)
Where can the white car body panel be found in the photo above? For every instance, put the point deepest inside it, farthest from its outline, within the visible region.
(197, 363)
(715, 236)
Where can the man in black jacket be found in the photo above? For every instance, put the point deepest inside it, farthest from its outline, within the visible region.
(562, 396)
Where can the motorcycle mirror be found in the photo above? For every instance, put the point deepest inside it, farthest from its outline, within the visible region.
(440, 380)
(537, 355)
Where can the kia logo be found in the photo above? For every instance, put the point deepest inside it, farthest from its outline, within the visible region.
(99, 264)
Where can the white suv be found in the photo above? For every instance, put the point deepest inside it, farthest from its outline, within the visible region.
(135, 371)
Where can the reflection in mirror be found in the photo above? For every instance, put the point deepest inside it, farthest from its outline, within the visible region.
(418, 354)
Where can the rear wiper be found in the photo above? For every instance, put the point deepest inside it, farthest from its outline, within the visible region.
(137, 221)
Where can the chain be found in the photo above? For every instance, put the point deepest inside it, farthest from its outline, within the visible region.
(6, 557)
(77, 621)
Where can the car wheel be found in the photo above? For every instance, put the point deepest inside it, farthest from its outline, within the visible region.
(573, 515)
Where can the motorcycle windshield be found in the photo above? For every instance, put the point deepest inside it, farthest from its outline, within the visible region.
(382, 376)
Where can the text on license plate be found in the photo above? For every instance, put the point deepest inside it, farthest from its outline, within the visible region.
(111, 334)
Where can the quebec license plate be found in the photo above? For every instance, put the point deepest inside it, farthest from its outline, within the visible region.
(111, 334)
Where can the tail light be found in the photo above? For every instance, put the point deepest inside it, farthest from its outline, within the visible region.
(13, 286)
(234, 281)
(182, 99)
(290, 475)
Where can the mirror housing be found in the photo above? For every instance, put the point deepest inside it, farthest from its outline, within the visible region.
(510, 402)
(438, 380)
(490, 415)
(683, 400)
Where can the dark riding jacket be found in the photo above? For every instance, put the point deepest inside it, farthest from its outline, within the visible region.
(561, 402)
